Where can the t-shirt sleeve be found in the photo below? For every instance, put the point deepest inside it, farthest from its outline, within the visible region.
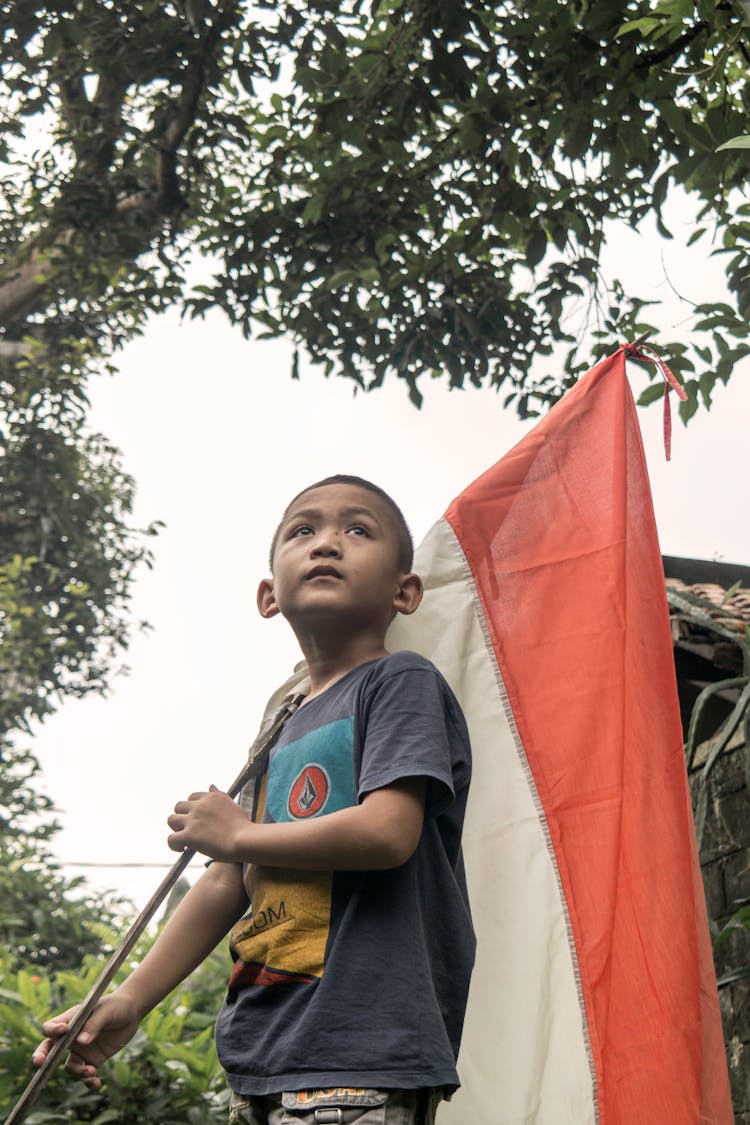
(412, 726)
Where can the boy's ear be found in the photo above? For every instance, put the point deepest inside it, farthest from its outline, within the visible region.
(266, 600)
(409, 594)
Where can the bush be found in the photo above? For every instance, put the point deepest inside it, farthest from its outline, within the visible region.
(54, 937)
(168, 1074)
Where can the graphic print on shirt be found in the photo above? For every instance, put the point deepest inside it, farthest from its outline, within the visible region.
(283, 940)
(309, 793)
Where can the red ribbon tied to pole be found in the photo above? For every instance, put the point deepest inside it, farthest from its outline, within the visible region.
(641, 351)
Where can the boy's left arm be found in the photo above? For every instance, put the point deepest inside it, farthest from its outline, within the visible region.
(381, 832)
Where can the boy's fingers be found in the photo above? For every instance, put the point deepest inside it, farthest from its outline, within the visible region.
(54, 1029)
(41, 1052)
(79, 1068)
(98, 1021)
(56, 1026)
(74, 1065)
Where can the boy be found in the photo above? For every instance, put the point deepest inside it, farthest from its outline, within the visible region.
(352, 967)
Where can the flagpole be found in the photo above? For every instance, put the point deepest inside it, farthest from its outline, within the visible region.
(254, 764)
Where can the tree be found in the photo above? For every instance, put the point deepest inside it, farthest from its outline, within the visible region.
(402, 187)
(432, 194)
(66, 563)
(46, 920)
(423, 187)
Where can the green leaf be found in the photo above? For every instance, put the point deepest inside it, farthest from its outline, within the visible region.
(313, 209)
(536, 247)
(742, 973)
(337, 280)
(662, 229)
(651, 394)
(645, 25)
(736, 142)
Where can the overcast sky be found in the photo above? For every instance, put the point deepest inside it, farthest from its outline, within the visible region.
(219, 438)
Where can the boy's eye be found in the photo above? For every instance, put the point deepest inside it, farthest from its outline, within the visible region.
(303, 529)
(359, 529)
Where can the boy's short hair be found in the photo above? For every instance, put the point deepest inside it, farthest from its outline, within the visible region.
(400, 526)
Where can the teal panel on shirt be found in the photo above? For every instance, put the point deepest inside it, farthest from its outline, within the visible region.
(313, 775)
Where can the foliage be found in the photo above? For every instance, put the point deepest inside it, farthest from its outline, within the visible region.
(704, 614)
(46, 919)
(404, 188)
(401, 186)
(67, 559)
(168, 1074)
(55, 933)
(697, 610)
(431, 194)
(739, 921)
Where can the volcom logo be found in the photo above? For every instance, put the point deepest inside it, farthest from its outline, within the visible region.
(309, 792)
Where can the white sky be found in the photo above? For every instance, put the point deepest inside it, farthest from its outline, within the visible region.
(219, 438)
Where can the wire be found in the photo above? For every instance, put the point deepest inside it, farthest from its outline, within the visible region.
(121, 866)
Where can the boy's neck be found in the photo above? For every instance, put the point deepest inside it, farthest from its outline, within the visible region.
(328, 663)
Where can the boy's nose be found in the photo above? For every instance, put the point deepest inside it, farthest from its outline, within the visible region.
(326, 546)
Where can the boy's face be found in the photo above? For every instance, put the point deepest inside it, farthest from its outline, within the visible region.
(336, 561)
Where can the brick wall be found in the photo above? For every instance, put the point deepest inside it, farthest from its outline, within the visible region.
(725, 862)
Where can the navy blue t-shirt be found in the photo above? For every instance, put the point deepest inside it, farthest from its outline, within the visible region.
(357, 978)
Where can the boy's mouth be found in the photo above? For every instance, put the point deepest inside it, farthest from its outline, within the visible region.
(323, 572)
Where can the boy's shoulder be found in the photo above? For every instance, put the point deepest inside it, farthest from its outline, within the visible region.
(404, 679)
(406, 674)
(405, 659)
(404, 667)
(401, 667)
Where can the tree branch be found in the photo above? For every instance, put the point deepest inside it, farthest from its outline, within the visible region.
(27, 279)
(94, 147)
(653, 58)
(168, 187)
(67, 74)
(24, 283)
(13, 350)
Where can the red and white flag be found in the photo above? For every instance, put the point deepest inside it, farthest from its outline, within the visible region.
(593, 1001)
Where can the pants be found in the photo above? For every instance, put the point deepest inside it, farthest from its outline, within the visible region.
(336, 1107)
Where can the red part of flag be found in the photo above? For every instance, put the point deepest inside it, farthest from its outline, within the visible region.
(561, 543)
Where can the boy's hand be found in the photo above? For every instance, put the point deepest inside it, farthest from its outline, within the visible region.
(380, 832)
(210, 823)
(110, 1026)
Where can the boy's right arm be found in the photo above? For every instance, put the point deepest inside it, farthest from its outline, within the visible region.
(201, 920)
